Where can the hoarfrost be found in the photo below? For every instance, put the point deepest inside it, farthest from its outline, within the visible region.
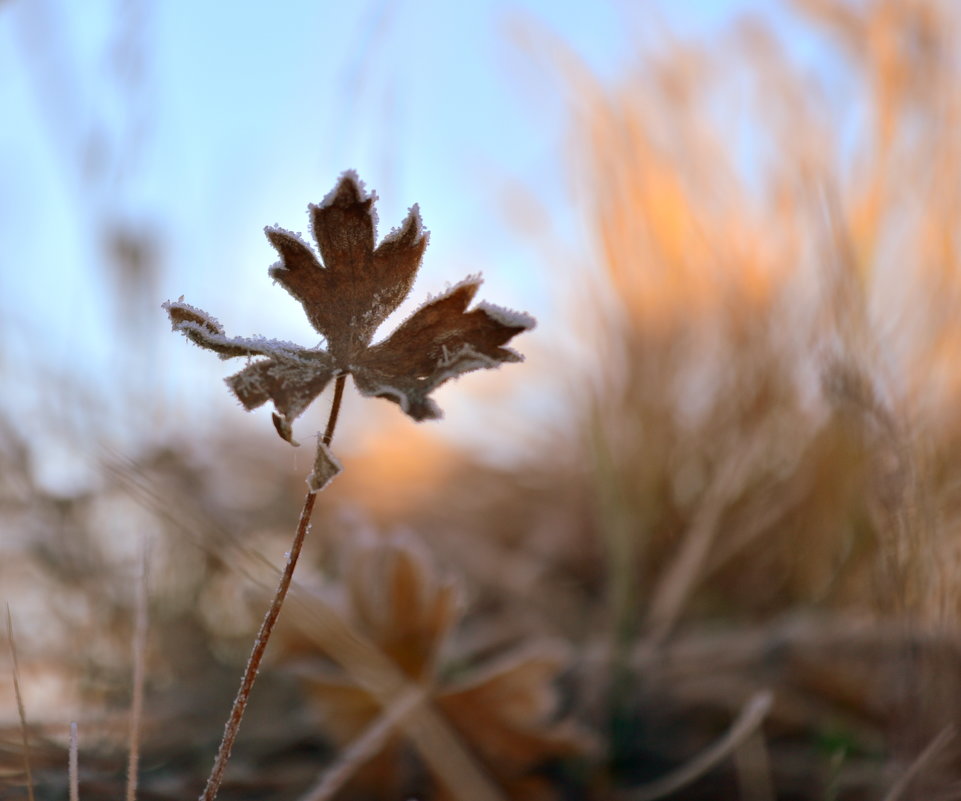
(330, 198)
(413, 218)
(206, 331)
(326, 467)
(416, 404)
(178, 308)
(508, 317)
(473, 281)
(279, 266)
(279, 229)
(271, 347)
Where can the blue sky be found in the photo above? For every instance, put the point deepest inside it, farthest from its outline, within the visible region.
(201, 126)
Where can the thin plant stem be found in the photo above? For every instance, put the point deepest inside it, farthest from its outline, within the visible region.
(73, 763)
(21, 711)
(263, 636)
(334, 408)
(750, 719)
(139, 647)
(933, 749)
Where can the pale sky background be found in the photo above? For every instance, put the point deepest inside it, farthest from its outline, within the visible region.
(202, 122)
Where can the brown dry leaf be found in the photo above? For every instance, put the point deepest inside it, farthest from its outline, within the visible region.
(346, 297)
(393, 596)
(401, 603)
(505, 711)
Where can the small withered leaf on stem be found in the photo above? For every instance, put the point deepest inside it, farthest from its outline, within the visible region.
(347, 296)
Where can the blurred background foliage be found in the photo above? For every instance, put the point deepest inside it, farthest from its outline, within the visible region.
(730, 463)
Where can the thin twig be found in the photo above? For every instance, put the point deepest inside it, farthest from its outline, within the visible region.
(256, 655)
(263, 635)
(139, 658)
(21, 711)
(334, 409)
(945, 736)
(749, 719)
(368, 744)
(73, 760)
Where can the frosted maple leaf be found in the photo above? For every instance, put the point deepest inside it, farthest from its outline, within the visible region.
(347, 293)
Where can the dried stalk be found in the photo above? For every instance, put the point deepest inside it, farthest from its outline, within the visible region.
(267, 627)
(367, 745)
(933, 749)
(73, 768)
(21, 711)
(139, 657)
(747, 722)
(753, 765)
(687, 568)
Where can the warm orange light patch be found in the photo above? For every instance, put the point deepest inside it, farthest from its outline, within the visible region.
(395, 467)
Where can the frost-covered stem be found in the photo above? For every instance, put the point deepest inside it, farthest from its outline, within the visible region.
(335, 408)
(263, 636)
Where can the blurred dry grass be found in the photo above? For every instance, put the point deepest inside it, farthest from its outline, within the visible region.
(784, 320)
(762, 488)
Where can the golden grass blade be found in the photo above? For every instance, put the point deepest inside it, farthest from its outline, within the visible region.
(681, 576)
(367, 745)
(945, 736)
(689, 564)
(746, 724)
(448, 758)
(20, 707)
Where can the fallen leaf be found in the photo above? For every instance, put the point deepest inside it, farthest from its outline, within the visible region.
(504, 710)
